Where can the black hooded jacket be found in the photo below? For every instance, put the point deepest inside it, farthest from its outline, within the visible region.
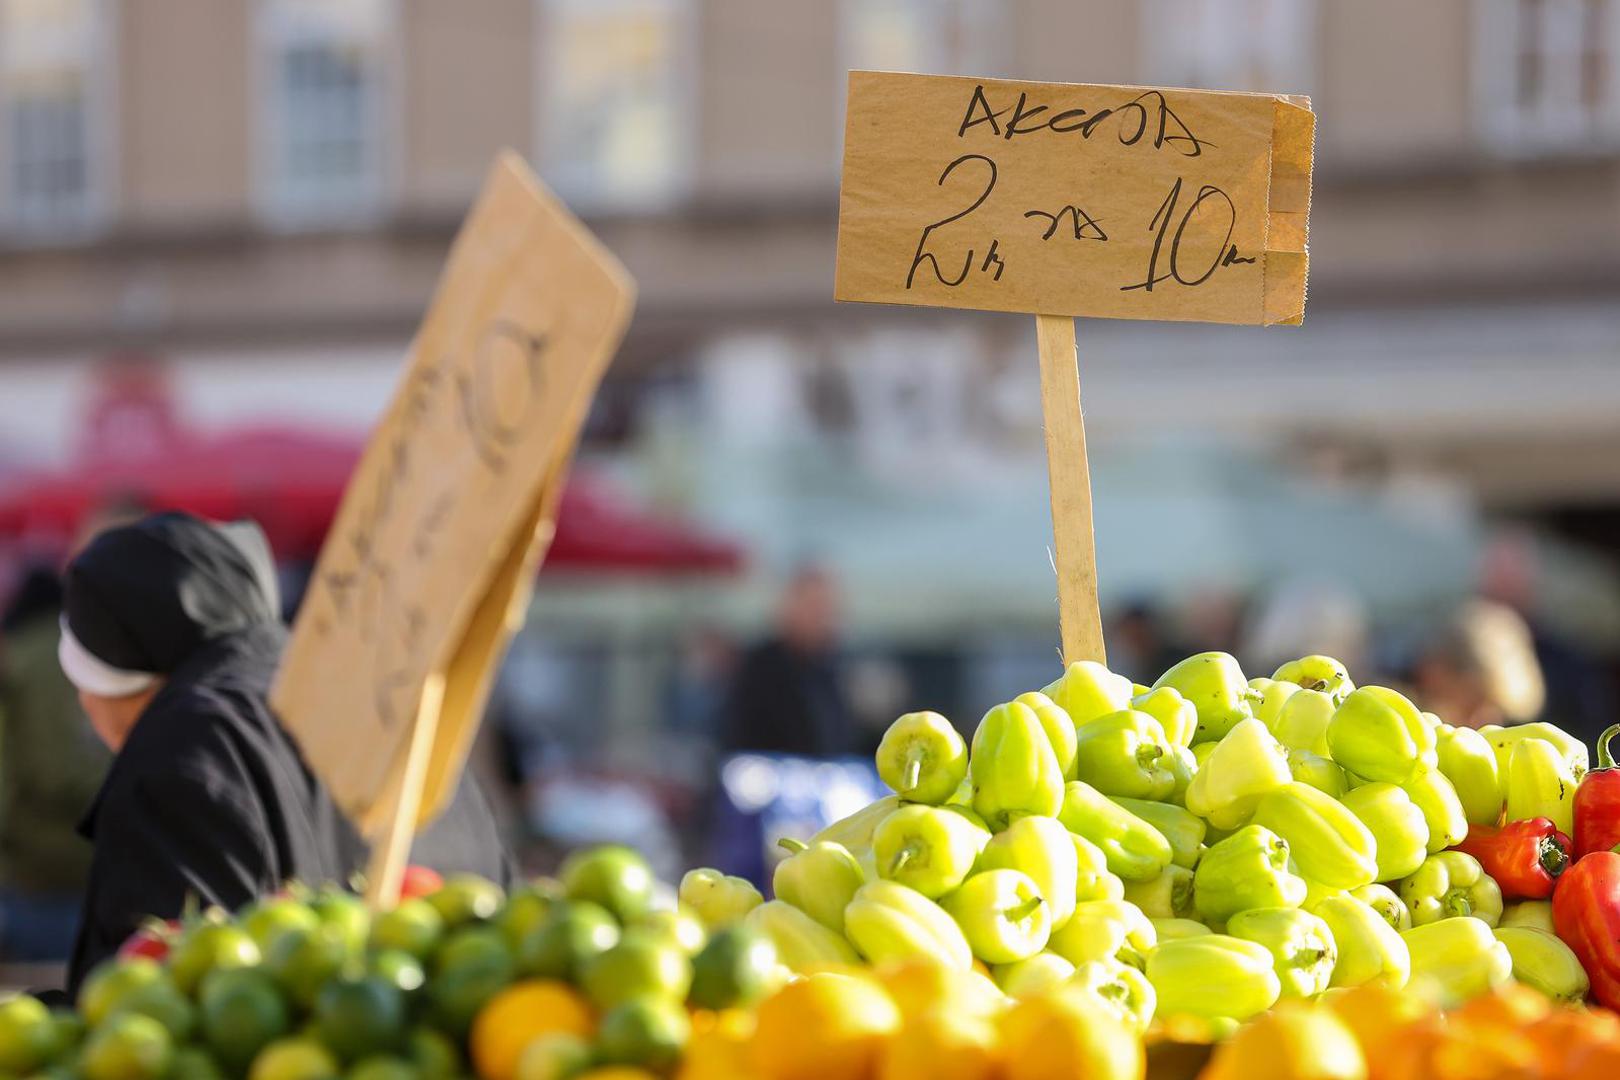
(209, 797)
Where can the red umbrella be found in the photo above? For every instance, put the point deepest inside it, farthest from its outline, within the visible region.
(291, 482)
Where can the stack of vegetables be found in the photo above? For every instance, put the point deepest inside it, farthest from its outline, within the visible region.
(1210, 845)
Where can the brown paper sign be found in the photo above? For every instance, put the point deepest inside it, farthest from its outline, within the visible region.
(428, 567)
(1115, 201)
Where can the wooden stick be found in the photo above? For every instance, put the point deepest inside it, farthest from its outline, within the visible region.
(1070, 480)
(386, 870)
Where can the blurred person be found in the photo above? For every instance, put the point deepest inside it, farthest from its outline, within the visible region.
(1480, 668)
(1138, 645)
(788, 694)
(705, 664)
(50, 767)
(1303, 617)
(171, 633)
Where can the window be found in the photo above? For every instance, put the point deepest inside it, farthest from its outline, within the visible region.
(932, 37)
(323, 112)
(1545, 72)
(615, 84)
(1259, 45)
(53, 80)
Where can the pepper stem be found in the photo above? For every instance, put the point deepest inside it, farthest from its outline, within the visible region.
(913, 773)
(787, 843)
(1019, 912)
(1605, 758)
(1457, 905)
(1552, 855)
(898, 864)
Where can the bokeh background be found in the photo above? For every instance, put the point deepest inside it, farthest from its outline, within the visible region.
(791, 520)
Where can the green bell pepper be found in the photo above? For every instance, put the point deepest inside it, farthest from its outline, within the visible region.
(1032, 976)
(1124, 753)
(802, 944)
(1042, 848)
(1379, 735)
(1013, 767)
(1320, 673)
(1218, 689)
(1397, 824)
(1542, 961)
(855, 831)
(1134, 850)
(1105, 930)
(1001, 914)
(1212, 976)
(1326, 839)
(1540, 784)
(928, 848)
(887, 921)
(1386, 903)
(1242, 768)
(922, 758)
(819, 879)
(1175, 714)
(1503, 739)
(1442, 810)
(1058, 726)
(1184, 829)
(1087, 690)
(1301, 946)
(1370, 950)
(1176, 929)
(1168, 896)
(1094, 880)
(1470, 764)
(717, 899)
(1303, 722)
(1119, 990)
(1267, 697)
(1534, 914)
(1454, 960)
(1249, 869)
(1317, 771)
(1183, 765)
(1450, 885)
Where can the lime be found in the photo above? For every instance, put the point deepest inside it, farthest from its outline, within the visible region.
(680, 928)
(736, 967)
(399, 969)
(163, 1003)
(555, 1056)
(360, 1017)
(571, 935)
(433, 1053)
(649, 1033)
(415, 927)
(294, 1059)
(469, 968)
(193, 1063)
(241, 1012)
(383, 1067)
(206, 947)
(110, 981)
(345, 911)
(637, 967)
(525, 909)
(302, 960)
(273, 914)
(614, 876)
(28, 1035)
(128, 1046)
(466, 898)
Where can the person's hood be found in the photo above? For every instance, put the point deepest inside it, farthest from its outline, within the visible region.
(142, 598)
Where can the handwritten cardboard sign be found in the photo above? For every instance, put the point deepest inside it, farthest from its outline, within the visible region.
(427, 569)
(1060, 199)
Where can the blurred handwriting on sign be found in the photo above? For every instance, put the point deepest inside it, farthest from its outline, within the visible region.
(1061, 199)
(428, 565)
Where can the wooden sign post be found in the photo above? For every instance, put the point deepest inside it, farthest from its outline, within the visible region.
(1060, 200)
(428, 569)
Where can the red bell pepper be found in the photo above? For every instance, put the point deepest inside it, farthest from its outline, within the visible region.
(1586, 914)
(1597, 803)
(1525, 857)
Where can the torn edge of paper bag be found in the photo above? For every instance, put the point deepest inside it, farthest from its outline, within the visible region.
(1288, 208)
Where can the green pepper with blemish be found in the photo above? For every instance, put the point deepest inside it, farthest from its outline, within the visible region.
(1540, 784)
(1320, 673)
(1386, 903)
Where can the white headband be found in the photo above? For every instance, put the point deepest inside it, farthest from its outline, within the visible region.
(90, 673)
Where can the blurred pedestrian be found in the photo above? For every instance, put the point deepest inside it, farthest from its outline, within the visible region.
(1302, 617)
(1138, 645)
(788, 694)
(50, 767)
(1480, 668)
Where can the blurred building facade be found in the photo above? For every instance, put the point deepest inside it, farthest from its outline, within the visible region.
(261, 192)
